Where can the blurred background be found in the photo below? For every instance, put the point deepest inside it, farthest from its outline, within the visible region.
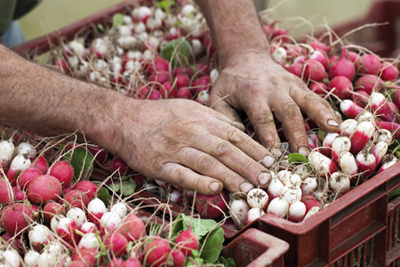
(52, 15)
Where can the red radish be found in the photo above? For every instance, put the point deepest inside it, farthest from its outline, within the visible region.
(238, 210)
(253, 214)
(27, 176)
(134, 262)
(310, 202)
(78, 215)
(181, 80)
(340, 144)
(16, 217)
(154, 95)
(141, 14)
(178, 257)
(319, 88)
(257, 198)
(369, 83)
(100, 153)
(314, 71)
(327, 143)
(199, 70)
(343, 87)
(311, 144)
(311, 212)
(6, 192)
(96, 209)
(279, 207)
(19, 194)
(51, 209)
(116, 262)
(343, 67)
(211, 207)
(296, 69)
(348, 164)
(157, 65)
(66, 229)
(185, 93)
(63, 171)
(322, 164)
(274, 189)
(297, 211)
(132, 227)
(87, 256)
(156, 252)
(300, 60)
(43, 189)
(187, 241)
(317, 45)
(117, 244)
(24, 148)
(394, 128)
(6, 153)
(379, 104)
(366, 162)
(39, 235)
(77, 264)
(175, 196)
(167, 91)
(159, 78)
(360, 98)
(368, 64)
(308, 186)
(321, 57)
(363, 133)
(350, 109)
(76, 198)
(389, 72)
(379, 151)
(19, 164)
(339, 183)
(201, 84)
(87, 187)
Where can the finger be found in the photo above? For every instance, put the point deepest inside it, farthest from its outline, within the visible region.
(317, 109)
(289, 114)
(233, 158)
(188, 179)
(219, 104)
(262, 119)
(210, 166)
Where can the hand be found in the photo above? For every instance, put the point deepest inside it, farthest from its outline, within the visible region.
(187, 144)
(252, 82)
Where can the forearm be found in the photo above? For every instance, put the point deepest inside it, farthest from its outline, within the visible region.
(44, 101)
(234, 26)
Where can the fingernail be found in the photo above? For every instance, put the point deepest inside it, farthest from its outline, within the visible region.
(214, 186)
(264, 178)
(268, 161)
(303, 150)
(245, 187)
(276, 151)
(333, 123)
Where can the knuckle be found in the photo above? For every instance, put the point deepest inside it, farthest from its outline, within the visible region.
(234, 135)
(204, 162)
(228, 177)
(264, 117)
(291, 110)
(247, 166)
(179, 175)
(222, 148)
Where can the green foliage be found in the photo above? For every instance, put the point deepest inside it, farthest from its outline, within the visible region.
(118, 19)
(82, 162)
(176, 51)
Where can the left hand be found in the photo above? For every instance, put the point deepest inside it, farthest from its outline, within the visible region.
(252, 82)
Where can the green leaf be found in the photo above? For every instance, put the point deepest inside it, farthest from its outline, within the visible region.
(118, 19)
(166, 4)
(155, 229)
(199, 260)
(195, 253)
(212, 245)
(200, 227)
(82, 162)
(104, 195)
(101, 28)
(115, 187)
(128, 188)
(321, 134)
(231, 262)
(177, 51)
(297, 157)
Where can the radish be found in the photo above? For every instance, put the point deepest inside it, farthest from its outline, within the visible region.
(279, 207)
(393, 128)
(314, 71)
(78, 215)
(379, 151)
(132, 227)
(322, 164)
(96, 209)
(360, 98)
(19, 164)
(109, 221)
(39, 235)
(203, 97)
(253, 214)
(76, 198)
(120, 208)
(343, 67)
(156, 252)
(181, 80)
(54, 222)
(311, 212)
(16, 217)
(348, 164)
(43, 189)
(279, 55)
(6, 192)
(116, 262)
(88, 227)
(365, 116)
(291, 194)
(186, 242)
(6, 153)
(141, 14)
(339, 183)
(297, 211)
(63, 171)
(257, 198)
(66, 229)
(10, 258)
(319, 88)
(366, 162)
(387, 165)
(350, 109)
(51, 209)
(24, 148)
(369, 83)
(175, 196)
(348, 127)
(211, 207)
(88, 187)
(364, 132)
(41, 164)
(85, 255)
(53, 253)
(380, 106)
(296, 69)
(340, 144)
(89, 241)
(76, 48)
(327, 143)
(117, 244)
(308, 186)
(27, 176)
(317, 45)
(184, 93)
(275, 188)
(389, 72)
(238, 210)
(321, 57)
(382, 135)
(178, 258)
(310, 202)
(31, 258)
(368, 64)
(343, 87)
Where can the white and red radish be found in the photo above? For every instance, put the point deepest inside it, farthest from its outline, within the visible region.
(379, 151)
(339, 183)
(366, 162)
(321, 163)
(78, 215)
(25, 148)
(6, 153)
(10, 258)
(380, 105)
(279, 207)
(291, 193)
(109, 221)
(297, 211)
(238, 210)
(39, 235)
(66, 229)
(350, 109)
(19, 164)
(348, 127)
(96, 209)
(257, 198)
(348, 164)
(363, 133)
(253, 214)
(274, 189)
(340, 144)
(308, 185)
(382, 135)
(31, 258)
(212, 207)
(311, 212)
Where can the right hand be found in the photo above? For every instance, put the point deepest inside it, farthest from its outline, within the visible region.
(187, 144)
